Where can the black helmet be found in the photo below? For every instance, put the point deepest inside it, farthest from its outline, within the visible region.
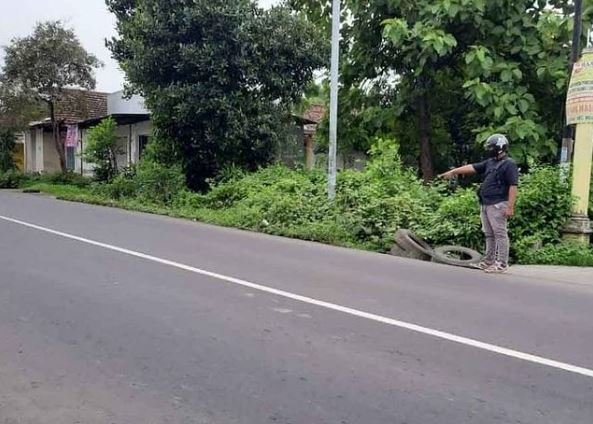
(497, 144)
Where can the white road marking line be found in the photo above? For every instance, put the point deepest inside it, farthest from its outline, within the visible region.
(327, 305)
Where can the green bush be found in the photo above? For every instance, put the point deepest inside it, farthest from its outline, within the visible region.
(63, 178)
(157, 183)
(11, 179)
(102, 150)
(454, 220)
(119, 188)
(565, 253)
(543, 206)
(370, 205)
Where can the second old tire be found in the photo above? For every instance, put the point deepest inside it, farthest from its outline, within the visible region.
(456, 256)
(413, 246)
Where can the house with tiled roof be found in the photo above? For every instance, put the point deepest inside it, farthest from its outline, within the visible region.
(77, 112)
(41, 154)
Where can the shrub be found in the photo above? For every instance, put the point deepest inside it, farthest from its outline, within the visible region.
(158, 184)
(120, 187)
(455, 220)
(543, 206)
(370, 205)
(565, 253)
(102, 150)
(64, 178)
(11, 179)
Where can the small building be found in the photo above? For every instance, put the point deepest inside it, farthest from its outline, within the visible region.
(78, 112)
(40, 153)
(307, 124)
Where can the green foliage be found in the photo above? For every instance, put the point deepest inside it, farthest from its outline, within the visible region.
(150, 183)
(7, 144)
(455, 220)
(566, 253)
(16, 108)
(11, 179)
(454, 71)
(543, 206)
(119, 188)
(16, 179)
(39, 67)
(101, 149)
(370, 205)
(220, 77)
(66, 178)
(157, 183)
(49, 60)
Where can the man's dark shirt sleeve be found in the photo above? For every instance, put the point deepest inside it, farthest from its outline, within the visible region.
(480, 167)
(511, 174)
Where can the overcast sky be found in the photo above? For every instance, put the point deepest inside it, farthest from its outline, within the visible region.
(89, 18)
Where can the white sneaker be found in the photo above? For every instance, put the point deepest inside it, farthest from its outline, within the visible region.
(497, 268)
(483, 265)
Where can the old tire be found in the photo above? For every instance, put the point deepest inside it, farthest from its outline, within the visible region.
(413, 246)
(456, 256)
(398, 251)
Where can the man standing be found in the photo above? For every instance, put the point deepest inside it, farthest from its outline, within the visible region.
(497, 194)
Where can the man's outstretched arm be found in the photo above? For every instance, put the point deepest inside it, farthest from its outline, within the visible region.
(463, 170)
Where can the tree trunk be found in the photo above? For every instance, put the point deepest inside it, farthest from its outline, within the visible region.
(424, 132)
(60, 148)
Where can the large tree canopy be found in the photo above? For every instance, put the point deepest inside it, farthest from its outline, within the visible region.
(220, 77)
(442, 74)
(42, 65)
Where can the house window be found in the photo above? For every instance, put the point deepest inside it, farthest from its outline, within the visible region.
(143, 141)
(70, 158)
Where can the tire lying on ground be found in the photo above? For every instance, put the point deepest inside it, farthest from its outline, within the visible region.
(398, 251)
(456, 256)
(413, 246)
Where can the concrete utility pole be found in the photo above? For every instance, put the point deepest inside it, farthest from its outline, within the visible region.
(568, 134)
(333, 109)
(579, 111)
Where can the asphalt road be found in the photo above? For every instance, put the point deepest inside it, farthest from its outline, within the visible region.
(125, 318)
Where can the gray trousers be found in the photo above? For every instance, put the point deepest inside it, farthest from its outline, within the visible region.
(494, 225)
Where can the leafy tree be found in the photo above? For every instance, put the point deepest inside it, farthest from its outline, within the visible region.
(43, 64)
(101, 149)
(456, 70)
(220, 78)
(16, 111)
(7, 143)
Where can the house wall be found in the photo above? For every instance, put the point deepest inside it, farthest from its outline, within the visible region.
(139, 129)
(51, 159)
(118, 104)
(39, 149)
(40, 152)
(81, 166)
(128, 146)
(30, 151)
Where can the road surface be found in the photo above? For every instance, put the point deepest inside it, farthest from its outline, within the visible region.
(112, 317)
